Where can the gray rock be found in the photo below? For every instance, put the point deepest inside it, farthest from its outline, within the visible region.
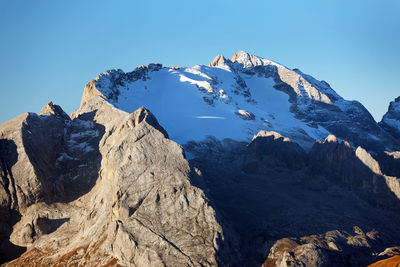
(271, 150)
(334, 248)
(355, 170)
(56, 110)
(391, 120)
(245, 115)
(218, 61)
(389, 162)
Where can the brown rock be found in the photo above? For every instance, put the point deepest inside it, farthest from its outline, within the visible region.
(217, 61)
(271, 150)
(56, 110)
(391, 262)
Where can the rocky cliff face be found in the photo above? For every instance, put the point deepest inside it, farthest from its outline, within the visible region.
(273, 192)
(271, 150)
(356, 170)
(391, 120)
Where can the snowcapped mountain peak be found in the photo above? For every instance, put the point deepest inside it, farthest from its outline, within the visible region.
(218, 61)
(236, 98)
(242, 59)
(246, 59)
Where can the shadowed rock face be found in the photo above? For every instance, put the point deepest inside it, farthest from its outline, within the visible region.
(8, 216)
(42, 163)
(355, 170)
(391, 120)
(272, 150)
(389, 162)
(273, 193)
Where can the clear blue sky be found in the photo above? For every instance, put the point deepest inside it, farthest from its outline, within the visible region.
(49, 50)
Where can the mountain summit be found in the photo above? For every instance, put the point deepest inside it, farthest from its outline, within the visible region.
(235, 98)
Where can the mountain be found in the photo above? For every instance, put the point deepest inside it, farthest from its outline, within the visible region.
(391, 120)
(241, 163)
(235, 98)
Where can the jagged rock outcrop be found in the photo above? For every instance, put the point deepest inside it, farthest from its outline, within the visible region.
(106, 84)
(334, 248)
(271, 150)
(391, 120)
(143, 209)
(356, 170)
(56, 110)
(28, 148)
(298, 196)
(389, 162)
(218, 61)
(46, 158)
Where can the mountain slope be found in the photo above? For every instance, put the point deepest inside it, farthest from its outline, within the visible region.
(235, 98)
(391, 120)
